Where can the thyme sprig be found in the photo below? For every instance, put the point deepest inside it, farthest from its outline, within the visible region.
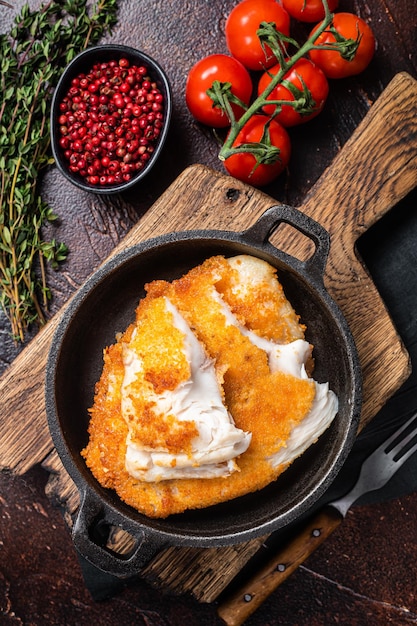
(278, 43)
(32, 57)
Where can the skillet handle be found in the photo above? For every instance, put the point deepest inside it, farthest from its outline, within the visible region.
(260, 232)
(90, 534)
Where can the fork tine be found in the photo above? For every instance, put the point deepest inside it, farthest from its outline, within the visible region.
(402, 444)
(387, 444)
(404, 457)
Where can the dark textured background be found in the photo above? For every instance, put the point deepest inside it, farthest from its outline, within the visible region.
(366, 573)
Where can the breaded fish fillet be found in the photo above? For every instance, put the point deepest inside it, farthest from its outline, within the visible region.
(205, 397)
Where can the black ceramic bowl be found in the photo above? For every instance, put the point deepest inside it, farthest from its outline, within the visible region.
(83, 63)
(106, 304)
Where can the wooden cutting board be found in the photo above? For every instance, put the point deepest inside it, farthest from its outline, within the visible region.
(375, 169)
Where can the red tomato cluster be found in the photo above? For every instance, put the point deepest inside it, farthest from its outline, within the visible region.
(251, 67)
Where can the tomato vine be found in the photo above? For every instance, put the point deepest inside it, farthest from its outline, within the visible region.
(278, 43)
(294, 86)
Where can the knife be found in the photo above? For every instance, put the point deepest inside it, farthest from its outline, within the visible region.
(375, 472)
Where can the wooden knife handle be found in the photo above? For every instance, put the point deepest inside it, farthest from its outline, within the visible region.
(236, 609)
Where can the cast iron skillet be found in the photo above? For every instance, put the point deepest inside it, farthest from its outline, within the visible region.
(106, 303)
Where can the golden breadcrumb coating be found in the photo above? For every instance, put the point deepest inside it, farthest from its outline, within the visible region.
(265, 310)
(165, 366)
(266, 404)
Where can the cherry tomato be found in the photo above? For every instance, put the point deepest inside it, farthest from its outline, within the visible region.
(331, 62)
(308, 10)
(242, 24)
(242, 165)
(303, 74)
(225, 69)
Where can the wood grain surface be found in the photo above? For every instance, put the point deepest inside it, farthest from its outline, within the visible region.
(347, 199)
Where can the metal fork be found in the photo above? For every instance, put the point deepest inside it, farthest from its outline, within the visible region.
(381, 465)
(375, 472)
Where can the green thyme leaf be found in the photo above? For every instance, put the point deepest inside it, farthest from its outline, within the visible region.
(32, 57)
